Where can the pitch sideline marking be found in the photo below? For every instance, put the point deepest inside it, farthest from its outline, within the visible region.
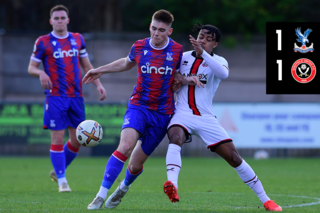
(290, 206)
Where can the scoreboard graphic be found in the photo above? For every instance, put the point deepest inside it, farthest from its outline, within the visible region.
(293, 58)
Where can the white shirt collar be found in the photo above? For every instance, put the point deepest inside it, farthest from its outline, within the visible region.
(60, 37)
(159, 48)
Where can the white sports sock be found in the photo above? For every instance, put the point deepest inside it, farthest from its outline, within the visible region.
(248, 176)
(62, 180)
(124, 187)
(102, 192)
(173, 160)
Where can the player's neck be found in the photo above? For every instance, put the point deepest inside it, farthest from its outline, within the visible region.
(159, 46)
(198, 55)
(60, 34)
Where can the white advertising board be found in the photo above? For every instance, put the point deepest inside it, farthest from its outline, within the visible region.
(289, 125)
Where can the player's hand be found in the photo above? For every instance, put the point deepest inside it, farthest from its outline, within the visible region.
(175, 86)
(102, 92)
(90, 76)
(197, 47)
(194, 80)
(45, 80)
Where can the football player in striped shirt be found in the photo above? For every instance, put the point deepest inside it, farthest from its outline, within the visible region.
(62, 53)
(194, 114)
(150, 106)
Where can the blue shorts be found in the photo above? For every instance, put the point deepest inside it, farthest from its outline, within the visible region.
(61, 112)
(151, 124)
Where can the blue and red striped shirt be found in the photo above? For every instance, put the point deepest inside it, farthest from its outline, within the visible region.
(156, 69)
(61, 61)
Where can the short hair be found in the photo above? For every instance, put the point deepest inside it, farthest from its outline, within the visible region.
(163, 16)
(212, 30)
(59, 8)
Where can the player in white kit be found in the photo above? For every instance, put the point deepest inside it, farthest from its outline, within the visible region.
(194, 115)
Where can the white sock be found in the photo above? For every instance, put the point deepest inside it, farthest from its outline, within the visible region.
(248, 176)
(124, 187)
(173, 160)
(102, 192)
(62, 180)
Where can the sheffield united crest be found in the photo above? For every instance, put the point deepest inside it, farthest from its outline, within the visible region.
(303, 70)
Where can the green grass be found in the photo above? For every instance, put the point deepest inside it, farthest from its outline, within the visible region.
(205, 185)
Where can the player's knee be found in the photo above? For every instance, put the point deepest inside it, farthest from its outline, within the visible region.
(176, 139)
(125, 149)
(135, 168)
(74, 143)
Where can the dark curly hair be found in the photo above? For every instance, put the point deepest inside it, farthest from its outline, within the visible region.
(212, 30)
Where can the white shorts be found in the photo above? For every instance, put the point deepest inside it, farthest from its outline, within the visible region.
(207, 128)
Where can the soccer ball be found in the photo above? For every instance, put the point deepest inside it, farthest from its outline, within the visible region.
(89, 133)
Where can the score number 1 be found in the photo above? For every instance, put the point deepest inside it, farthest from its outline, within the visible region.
(279, 62)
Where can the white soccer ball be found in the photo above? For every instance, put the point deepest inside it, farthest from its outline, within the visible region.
(89, 133)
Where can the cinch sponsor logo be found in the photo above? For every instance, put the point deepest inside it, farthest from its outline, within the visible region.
(160, 70)
(65, 53)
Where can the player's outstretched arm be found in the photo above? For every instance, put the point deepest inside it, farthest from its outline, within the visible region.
(192, 80)
(86, 66)
(34, 70)
(217, 68)
(120, 65)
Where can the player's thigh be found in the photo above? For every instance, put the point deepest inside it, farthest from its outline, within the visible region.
(211, 132)
(137, 159)
(128, 140)
(76, 111)
(57, 137)
(55, 113)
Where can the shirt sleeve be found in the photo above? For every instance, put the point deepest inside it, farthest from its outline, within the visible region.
(132, 53)
(219, 67)
(38, 51)
(83, 51)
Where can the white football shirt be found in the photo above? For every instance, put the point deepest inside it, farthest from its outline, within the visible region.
(192, 99)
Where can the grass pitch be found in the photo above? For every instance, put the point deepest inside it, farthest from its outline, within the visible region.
(205, 185)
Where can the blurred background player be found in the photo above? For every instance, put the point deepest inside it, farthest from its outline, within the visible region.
(62, 53)
(150, 107)
(194, 114)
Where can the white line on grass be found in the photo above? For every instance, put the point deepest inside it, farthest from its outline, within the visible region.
(301, 205)
(290, 206)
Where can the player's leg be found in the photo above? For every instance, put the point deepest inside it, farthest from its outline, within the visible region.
(179, 132)
(155, 129)
(55, 114)
(71, 147)
(128, 139)
(134, 169)
(177, 136)
(228, 152)
(76, 114)
(217, 140)
(58, 159)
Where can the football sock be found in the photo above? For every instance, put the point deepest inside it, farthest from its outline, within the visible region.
(248, 176)
(58, 161)
(70, 152)
(62, 180)
(103, 192)
(130, 177)
(112, 171)
(173, 161)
